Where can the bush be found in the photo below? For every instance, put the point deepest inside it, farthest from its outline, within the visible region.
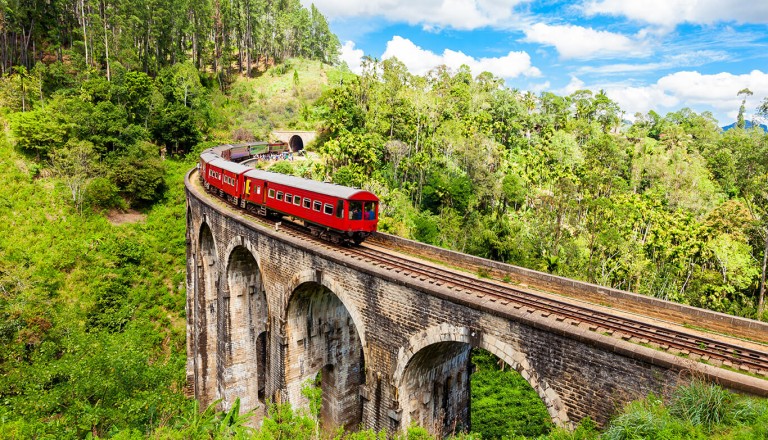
(702, 404)
(139, 173)
(282, 167)
(103, 193)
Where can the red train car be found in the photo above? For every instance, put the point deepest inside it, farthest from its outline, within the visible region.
(337, 212)
(205, 158)
(323, 207)
(227, 178)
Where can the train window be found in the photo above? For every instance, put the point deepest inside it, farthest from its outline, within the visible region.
(340, 208)
(307, 202)
(369, 212)
(271, 194)
(279, 195)
(288, 198)
(297, 200)
(328, 209)
(317, 206)
(355, 210)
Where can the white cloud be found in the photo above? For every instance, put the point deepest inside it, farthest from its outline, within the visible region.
(352, 56)
(419, 61)
(669, 13)
(572, 86)
(642, 99)
(687, 60)
(580, 42)
(716, 93)
(433, 14)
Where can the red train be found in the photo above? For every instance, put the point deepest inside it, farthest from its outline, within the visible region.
(339, 213)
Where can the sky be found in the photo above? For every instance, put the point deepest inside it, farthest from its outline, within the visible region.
(661, 55)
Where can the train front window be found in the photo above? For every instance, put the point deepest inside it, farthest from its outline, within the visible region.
(370, 211)
(355, 210)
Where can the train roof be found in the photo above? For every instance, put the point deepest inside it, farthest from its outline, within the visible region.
(329, 189)
(208, 156)
(232, 167)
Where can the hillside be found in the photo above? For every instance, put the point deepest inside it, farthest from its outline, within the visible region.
(93, 329)
(279, 99)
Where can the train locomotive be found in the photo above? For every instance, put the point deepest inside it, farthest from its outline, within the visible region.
(338, 213)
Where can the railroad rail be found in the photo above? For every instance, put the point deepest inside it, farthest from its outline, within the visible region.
(649, 332)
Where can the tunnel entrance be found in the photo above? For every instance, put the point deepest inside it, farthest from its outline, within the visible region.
(322, 338)
(296, 143)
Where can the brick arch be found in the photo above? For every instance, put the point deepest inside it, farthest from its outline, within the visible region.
(206, 314)
(244, 315)
(312, 276)
(322, 334)
(507, 352)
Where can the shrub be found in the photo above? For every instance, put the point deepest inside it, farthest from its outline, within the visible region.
(139, 173)
(103, 193)
(702, 404)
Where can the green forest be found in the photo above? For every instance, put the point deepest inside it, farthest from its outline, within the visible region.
(106, 104)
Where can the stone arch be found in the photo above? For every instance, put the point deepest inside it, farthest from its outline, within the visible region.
(439, 339)
(322, 335)
(316, 276)
(243, 339)
(206, 314)
(296, 143)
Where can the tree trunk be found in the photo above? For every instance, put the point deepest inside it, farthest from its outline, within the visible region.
(85, 35)
(106, 37)
(761, 295)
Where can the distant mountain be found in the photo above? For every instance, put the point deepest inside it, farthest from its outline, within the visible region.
(747, 124)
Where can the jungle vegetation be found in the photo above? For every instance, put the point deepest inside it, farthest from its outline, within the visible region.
(104, 110)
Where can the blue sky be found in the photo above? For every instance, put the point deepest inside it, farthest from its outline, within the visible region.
(660, 55)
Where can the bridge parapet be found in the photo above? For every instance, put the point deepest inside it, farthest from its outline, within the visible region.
(620, 299)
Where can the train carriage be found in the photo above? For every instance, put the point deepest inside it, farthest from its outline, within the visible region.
(333, 211)
(227, 177)
(206, 158)
(323, 207)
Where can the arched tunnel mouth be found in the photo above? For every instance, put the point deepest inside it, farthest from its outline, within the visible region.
(451, 387)
(296, 144)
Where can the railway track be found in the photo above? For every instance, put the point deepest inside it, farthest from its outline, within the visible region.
(649, 332)
(640, 331)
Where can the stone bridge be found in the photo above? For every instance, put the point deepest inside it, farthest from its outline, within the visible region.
(266, 313)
